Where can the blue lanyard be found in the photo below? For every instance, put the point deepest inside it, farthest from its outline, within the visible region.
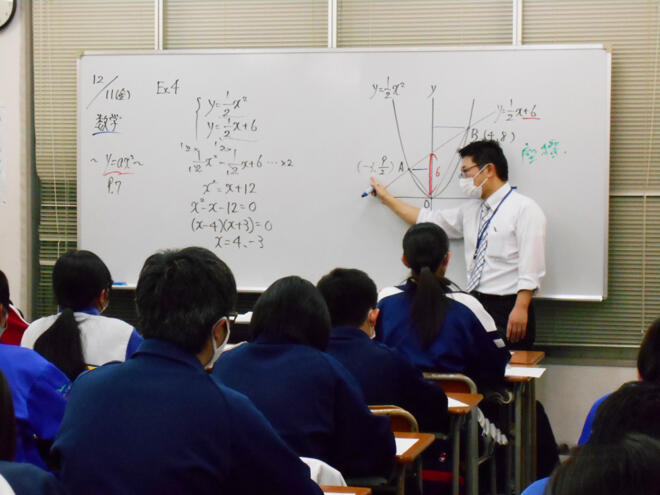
(482, 232)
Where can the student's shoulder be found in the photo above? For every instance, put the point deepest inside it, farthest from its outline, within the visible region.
(227, 399)
(25, 361)
(391, 294)
(35, 329)
(468, 306)
(106, 321)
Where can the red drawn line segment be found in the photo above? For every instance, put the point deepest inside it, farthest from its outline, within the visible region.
(118, 173)
(431, 157)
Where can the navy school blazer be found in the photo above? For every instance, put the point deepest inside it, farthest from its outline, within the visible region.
(387, 377)
(158, 423)
(313, 402)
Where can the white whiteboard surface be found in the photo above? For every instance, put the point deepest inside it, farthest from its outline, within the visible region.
(262, 156)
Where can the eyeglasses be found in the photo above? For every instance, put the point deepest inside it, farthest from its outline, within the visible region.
(464, 171)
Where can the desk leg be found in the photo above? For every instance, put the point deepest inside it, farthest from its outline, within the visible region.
(509, 449)
(530, 433)
(455, 432)
(472, 456)
(518, 438)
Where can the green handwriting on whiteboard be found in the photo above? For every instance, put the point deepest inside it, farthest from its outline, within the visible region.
(549, 150)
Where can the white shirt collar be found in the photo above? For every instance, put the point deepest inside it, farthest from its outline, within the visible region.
(495, 198)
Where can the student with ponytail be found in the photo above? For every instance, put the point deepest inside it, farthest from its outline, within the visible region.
(435, 325)
(79, 336)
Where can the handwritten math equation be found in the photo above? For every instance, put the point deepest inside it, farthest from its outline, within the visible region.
(386, 90)
(222, 153)
(219, 150)
(114, 168)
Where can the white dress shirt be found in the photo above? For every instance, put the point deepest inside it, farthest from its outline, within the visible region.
(515, 254)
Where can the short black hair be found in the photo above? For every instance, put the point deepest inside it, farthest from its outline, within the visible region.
(633, 408)
(629, 465)
(78, 278)
(648, 359)
(4, 290)
(181, 294)
(349, 294)
(292, 310)
(487, 151)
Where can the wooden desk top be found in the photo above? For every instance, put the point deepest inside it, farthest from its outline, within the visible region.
(526, 358)
(472, 400)
(423, 441)
(356, 490)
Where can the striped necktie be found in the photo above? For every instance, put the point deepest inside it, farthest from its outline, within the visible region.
(480, 256)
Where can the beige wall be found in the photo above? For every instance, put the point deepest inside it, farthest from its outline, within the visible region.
(15, 213)
(568, 392)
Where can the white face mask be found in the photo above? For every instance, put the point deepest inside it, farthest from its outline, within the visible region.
(469, 188)
(217, 349)
(372, 332)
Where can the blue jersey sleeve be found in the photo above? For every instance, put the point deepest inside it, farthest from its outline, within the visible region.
(588, 423)
(133, 343)
(46, 401)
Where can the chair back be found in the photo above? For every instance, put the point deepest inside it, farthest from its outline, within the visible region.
(453, 382)
(400, 419)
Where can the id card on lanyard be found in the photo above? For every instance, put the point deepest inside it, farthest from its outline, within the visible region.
(482, 232)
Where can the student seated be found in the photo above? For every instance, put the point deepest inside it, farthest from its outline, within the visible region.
(19, 478)
(311, 400)
(38, 391)
(159, 423)
(434, 326)
(384, 375)
(78, 336)
(12, 324)
(648, 368)
(633, 408)
(630, 465)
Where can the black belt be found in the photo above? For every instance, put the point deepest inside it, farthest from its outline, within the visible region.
(493, 297)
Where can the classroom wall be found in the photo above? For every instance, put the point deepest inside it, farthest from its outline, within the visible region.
(15, 213)
(567, 392)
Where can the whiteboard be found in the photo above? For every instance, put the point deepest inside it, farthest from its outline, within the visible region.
(262, 156)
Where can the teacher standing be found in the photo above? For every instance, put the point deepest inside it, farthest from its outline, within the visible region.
(504, 238)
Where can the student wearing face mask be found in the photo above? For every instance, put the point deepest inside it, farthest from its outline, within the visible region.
(384, 375)
(78, 336)
(159, 423)
(504, 238)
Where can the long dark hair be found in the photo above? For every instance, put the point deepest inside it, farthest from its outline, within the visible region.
(78, 279)
(425, 246)
(7, 422)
